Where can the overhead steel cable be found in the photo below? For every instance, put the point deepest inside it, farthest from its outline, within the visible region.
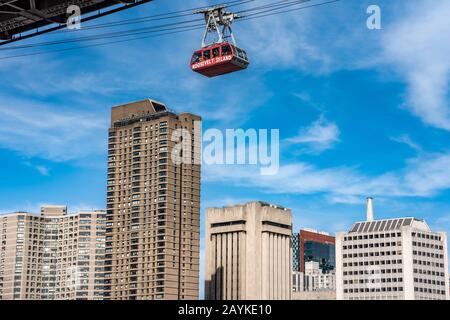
(58, 28)
(274, 11)
(156, 17)
(264, 13)
(125, 33)
(98, 44)
(119, 33)
(283, 3)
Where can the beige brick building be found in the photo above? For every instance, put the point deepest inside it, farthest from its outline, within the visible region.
(248, 252)
(52, 256)
(153, 203)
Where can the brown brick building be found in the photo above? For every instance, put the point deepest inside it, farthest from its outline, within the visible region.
(153, 203)
(316, 246)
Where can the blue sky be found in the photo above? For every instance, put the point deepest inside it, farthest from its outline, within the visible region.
(361, 112)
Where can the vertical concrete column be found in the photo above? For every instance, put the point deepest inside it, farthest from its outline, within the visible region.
(243, 258)
(224, 265)
(229, 265)
(265, 266)
(279, 267)
(339, 267)
(407, 260)
(271, 264)
(445, 245)
(283, 268)
(289, 242)
(234, 266)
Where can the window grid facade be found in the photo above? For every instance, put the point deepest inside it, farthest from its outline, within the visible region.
(392, 259)
(48, 257)
(295, 252)
(153, 205)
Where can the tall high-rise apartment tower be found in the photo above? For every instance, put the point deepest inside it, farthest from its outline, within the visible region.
(153, 203)
(52, 256)
(248, 252)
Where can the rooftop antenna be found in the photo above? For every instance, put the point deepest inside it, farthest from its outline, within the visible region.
(218, 21)
(369, 209)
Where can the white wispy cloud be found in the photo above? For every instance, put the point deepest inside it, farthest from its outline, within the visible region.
(417, 45)
(303, 96)
(45, 171)
(160, 72)
(50, 131)
(413, 44)
(306, 99)
(406, 139)
(347, 199)
(42, 169)
(445, 219)
(287, 44)
(423, 176)
(319, 136)
(441, 223)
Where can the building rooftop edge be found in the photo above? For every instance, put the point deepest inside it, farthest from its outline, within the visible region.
(415, 219)
(138, 101)
(263, 203)
(35, 214)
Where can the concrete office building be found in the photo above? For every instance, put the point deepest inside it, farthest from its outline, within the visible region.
(394, 259)
(153, 203)
(248, 252)
(52, 256)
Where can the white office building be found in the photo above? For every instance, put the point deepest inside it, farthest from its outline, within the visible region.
(313, 279)
(316, 279)
(394, 259)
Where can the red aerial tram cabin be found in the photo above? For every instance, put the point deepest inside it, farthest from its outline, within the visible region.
(218, 59)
